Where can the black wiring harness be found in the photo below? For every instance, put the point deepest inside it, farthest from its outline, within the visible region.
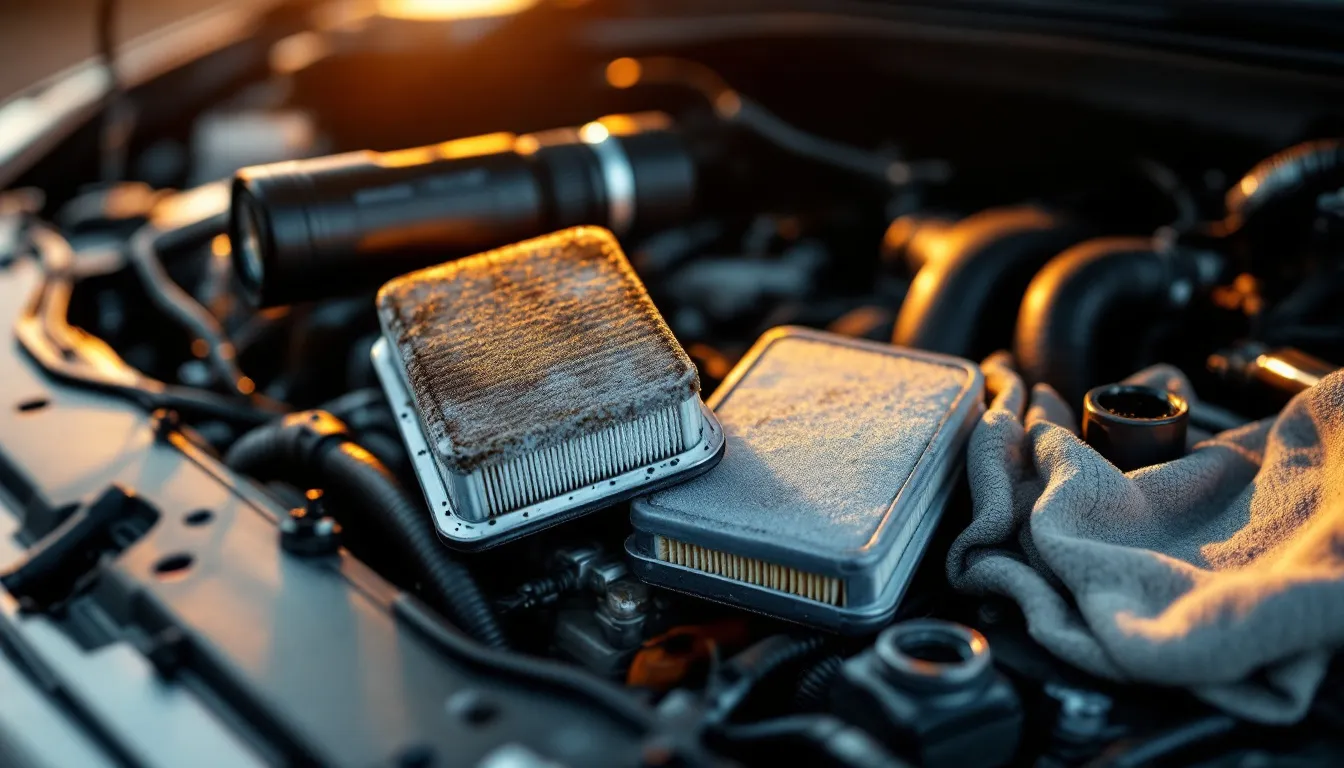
(76, 357)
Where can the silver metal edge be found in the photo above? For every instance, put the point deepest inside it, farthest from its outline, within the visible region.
(850, 619)
(949, 439)
(456, 531)
(619, 179)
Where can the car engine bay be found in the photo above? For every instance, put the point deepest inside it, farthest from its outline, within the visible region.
(597, 383)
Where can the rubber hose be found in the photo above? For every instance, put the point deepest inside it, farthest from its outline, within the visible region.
(834, 741)
(354, 473)
(313, 448)
(1070, 300)
(1167, 743)
(1272, 210)
(972, 270)
(743, 673)
(814, 685)
(1300, 172)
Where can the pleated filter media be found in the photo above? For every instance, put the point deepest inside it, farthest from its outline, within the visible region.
(825, 589)
(538, 382)
(590, 458)
(839, 457)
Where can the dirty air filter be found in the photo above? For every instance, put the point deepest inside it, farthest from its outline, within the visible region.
(840, 457)
(535, 383)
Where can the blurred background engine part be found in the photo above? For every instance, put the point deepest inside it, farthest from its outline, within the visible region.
(969, 271)
(1267, 265)
(928, 690)
(1278, 372)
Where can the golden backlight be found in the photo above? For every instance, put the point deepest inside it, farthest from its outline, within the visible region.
(623, 73)
(448, 10)
(594, 133)
(472, 146)
(1286, 370)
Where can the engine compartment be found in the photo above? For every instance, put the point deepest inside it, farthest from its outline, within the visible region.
(947, 180)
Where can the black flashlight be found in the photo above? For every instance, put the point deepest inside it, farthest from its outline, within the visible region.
(328, 226)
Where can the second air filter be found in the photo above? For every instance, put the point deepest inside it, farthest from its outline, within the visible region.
(840, 457)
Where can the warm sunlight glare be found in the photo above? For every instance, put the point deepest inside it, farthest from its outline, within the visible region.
(447, 10)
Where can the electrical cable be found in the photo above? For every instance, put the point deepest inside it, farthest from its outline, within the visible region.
(734, 108)
(1167, 742)
(840, 743)
(539, 592)
(1169, 183)
(814, 684)
(733, 682)
(76, 357)
(181, 307)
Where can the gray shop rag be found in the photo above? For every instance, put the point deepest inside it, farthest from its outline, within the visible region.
(1221, 572)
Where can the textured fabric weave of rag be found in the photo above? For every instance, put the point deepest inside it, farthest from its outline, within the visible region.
(1221, 572)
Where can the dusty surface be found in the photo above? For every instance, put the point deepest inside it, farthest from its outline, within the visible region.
(820, 438)
(527, 346)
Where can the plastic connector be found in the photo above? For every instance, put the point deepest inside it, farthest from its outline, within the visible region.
(928, 690)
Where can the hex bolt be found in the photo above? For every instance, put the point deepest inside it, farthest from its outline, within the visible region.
(1083, 715)
(627, 599)
(309, 531)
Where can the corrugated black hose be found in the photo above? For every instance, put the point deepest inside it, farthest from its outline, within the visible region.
(814, 684)
(743, 674)
(314, 446)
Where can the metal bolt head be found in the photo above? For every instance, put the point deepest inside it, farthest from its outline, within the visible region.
(626, 599)
(1082, 714)
(308, 531)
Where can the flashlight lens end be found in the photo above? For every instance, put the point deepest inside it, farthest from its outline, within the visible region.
(249, 242)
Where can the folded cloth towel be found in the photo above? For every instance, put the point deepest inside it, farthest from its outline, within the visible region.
(1221, 572)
